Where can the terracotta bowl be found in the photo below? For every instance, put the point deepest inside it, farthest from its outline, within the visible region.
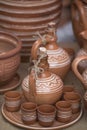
(10, 48)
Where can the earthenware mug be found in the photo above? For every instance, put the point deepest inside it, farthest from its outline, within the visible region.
(29, 115)
(46, 114)
(64, 111)
(12, 100)
(75, 100)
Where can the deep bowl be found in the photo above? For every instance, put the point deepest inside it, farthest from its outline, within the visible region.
(10, 47)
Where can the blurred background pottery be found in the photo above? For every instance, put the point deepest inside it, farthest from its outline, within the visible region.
(41, 85)
(81, 76)
(79, 18)
(10, 48)
(25, 17)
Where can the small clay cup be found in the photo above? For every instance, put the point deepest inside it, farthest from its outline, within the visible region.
(12, 100)
(85, 100)
(29, 115)
(64, 111)
(68, 89)
(75, 99)
(46, 115)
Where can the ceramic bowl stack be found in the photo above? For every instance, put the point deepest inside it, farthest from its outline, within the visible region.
(25, 17)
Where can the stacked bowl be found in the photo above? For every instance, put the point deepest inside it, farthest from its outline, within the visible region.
(25, 17)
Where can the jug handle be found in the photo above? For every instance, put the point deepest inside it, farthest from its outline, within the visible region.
(34, 49)
(77, 6)
(75, 69)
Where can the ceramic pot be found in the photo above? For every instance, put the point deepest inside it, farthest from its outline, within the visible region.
(46, 115)
(12, 101)
(44, 87)
(29, 115)
(58, 58)
(75, 100)
(68, 89)
(10, 48)
(82, 77)
(64, 111)
(25, 18)
(79, 18)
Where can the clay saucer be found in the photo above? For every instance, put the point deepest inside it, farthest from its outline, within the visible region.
(15, 82)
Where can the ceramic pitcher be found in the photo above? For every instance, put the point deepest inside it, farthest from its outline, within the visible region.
(58, 58)
(82, 77)
(42, 86)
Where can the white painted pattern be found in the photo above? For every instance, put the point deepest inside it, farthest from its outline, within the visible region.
(13, 103)
(64, 114)
(58, 58)
(47, 85)
(46, 118)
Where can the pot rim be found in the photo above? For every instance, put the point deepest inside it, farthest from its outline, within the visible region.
(17, 48)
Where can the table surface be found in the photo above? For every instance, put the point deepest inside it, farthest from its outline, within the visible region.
(66, 39)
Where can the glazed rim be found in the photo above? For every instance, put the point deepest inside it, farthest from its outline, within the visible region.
(12, 39)
(28, 106)
(12, 95)
(46, 109)
(63, 105)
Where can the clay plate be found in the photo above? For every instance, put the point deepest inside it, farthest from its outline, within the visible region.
(11, 85)
(15, 118)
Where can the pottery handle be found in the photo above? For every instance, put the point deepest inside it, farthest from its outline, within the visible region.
(78, 7)
(75, 63)
(34, 49)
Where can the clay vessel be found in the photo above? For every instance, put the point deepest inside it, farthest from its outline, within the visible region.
(64, 111)
(68, 89)
(25, 17)
(42, 86)
(75, 100)
(83, 51)
(46, 115)
(79, 18)
(10, 48)
(85, 100)
(12, 101)
(28, 113)
(58, 58)
(82, 77)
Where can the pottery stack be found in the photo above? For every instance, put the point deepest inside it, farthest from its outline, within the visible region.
(25, 18)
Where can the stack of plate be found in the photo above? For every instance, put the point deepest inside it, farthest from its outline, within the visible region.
(25, 17)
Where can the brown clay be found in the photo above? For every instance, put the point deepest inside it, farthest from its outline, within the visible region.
(75, 100)
(68, 88)
(42, 87)
(79, 18)
(25, 18)
(46, 115)
(64, 111)
(29, 115)
(12, 101)
(82, 77)
(10, 48)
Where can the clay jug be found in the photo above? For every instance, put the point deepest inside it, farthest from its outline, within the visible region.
(83, 51)
(42, 86)
(58, 59)
(82, 77)
(79, 18)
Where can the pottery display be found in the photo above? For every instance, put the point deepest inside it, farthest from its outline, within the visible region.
(12, 101)
(29, 115)
(82, 77)
(64, 111)
(10, 48)
(58, 58)
(41, 85)
(25, 18)
(46, 115)
(79, 18)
